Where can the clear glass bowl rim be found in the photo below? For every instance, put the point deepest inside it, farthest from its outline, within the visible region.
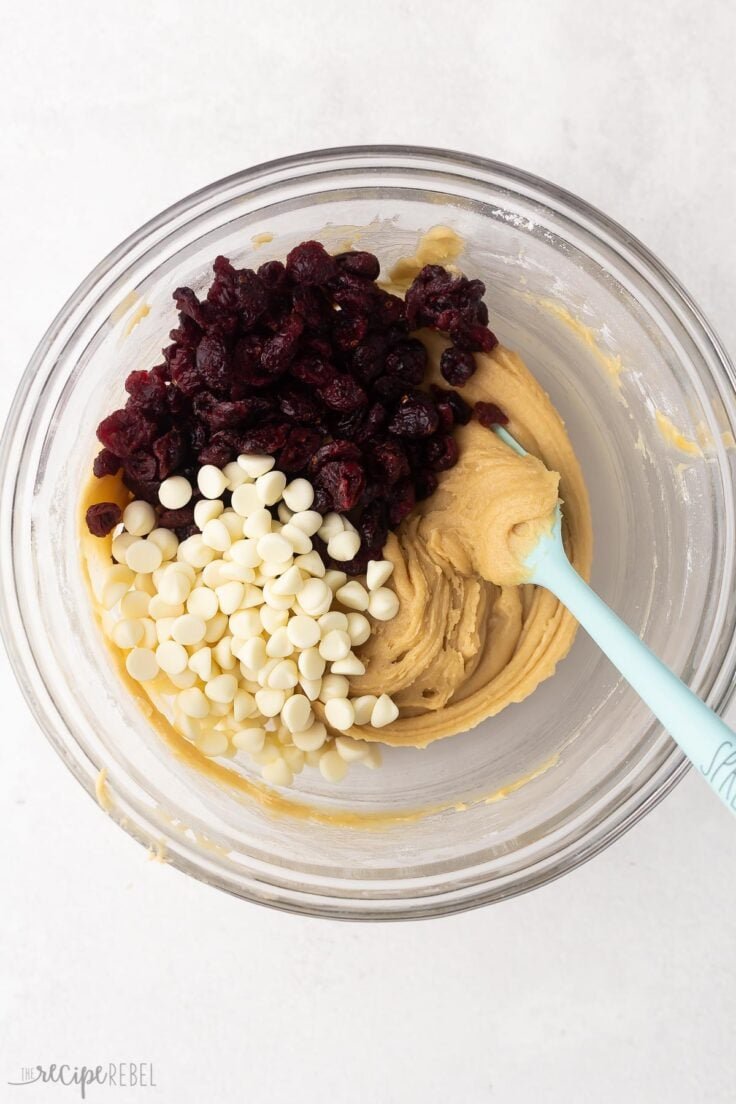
(590, 220)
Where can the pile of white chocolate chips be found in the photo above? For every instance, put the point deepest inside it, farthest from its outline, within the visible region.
(240, 628)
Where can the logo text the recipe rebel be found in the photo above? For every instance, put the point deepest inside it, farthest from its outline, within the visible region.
(118, 1075)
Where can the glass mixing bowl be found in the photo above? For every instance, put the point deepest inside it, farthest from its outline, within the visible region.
(625, 355)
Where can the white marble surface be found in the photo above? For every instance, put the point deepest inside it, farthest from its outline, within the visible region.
(613, 984)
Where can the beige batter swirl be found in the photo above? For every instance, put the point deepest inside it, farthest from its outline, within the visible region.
(470, 636)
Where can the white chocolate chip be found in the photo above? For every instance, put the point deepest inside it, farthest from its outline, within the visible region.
(312, 738)
(245, 553)
(127, 633)
(309, 521)
(246, 500)
(172, 657)
(235, 475)
(222, 689)
(290, 582)
(383, 604)
(311, 687)
(211, 481)
(284, 513)
(340, 713)
(332, 767)
(350, 665)
(212, 743)
(174, 588)
(335, 579)
(299, 495)
(258, 523)
(315, 597)
(117, 581)
(332, 524)
(270, 487)
(207, 509)
(245, 623)
(184, 680)
(280, 645)
(253, 653)
(352, 751)
(255, 465)
(272, 619)
(353, 595)
(139, 518)
(273, 548)
(359, 628)
(121, 544)
(377, 573)
(277, 773)
(202, 602)
(166, 540)
(310, 662)
(249, 739)
(384, 711)
(188, 629)
(334, 686)
(164, 628)
(363, 707)
(297, 538)
(216, 535)
(343, 546)
(201, 663)
(222, 653)
(134, 604)
(334, 645)
(175, 492)
(303, 632)
(297, 713)
(141, 664)
(284, 675)
(229, 596)
(270, 702)
(334, 619)
(311, 563)
(214, 628)
(194, 551)
(244, 705)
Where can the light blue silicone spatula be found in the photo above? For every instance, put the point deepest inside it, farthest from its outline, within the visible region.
(702, 735)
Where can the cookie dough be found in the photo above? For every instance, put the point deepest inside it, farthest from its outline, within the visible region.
(471, 637)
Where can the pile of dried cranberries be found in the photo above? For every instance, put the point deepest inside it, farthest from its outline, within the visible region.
(313, 363)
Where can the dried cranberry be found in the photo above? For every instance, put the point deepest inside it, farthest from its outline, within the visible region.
(125, 432)
(425, 484)
(334, 450)
(401, 501)
(347, 425)
(343, 393)
(313, 306)
(279, 350)
(273, 275)
(416, 416)
(488, 414)
(238, 290)
(473, 337)
(189, 305)
(269, 439)
(441, 452)
(457, 366)
(219, 450)
(147, 489)
(391, 388)
(298, 405)
(373, 527)
(176, 519)
(310, 263)
(213, 362)
(371, 423)
(388, 309)
(359, 263)
(103, 517)
(141, 467)
(147, 393)
(312, 369)
(348, 332)
(184, 373)
(389, 461)
(408, 360)
(368, 360)
(343, 481)
(106, 463)
(300, 446)
(461, 411)
(170, 452)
